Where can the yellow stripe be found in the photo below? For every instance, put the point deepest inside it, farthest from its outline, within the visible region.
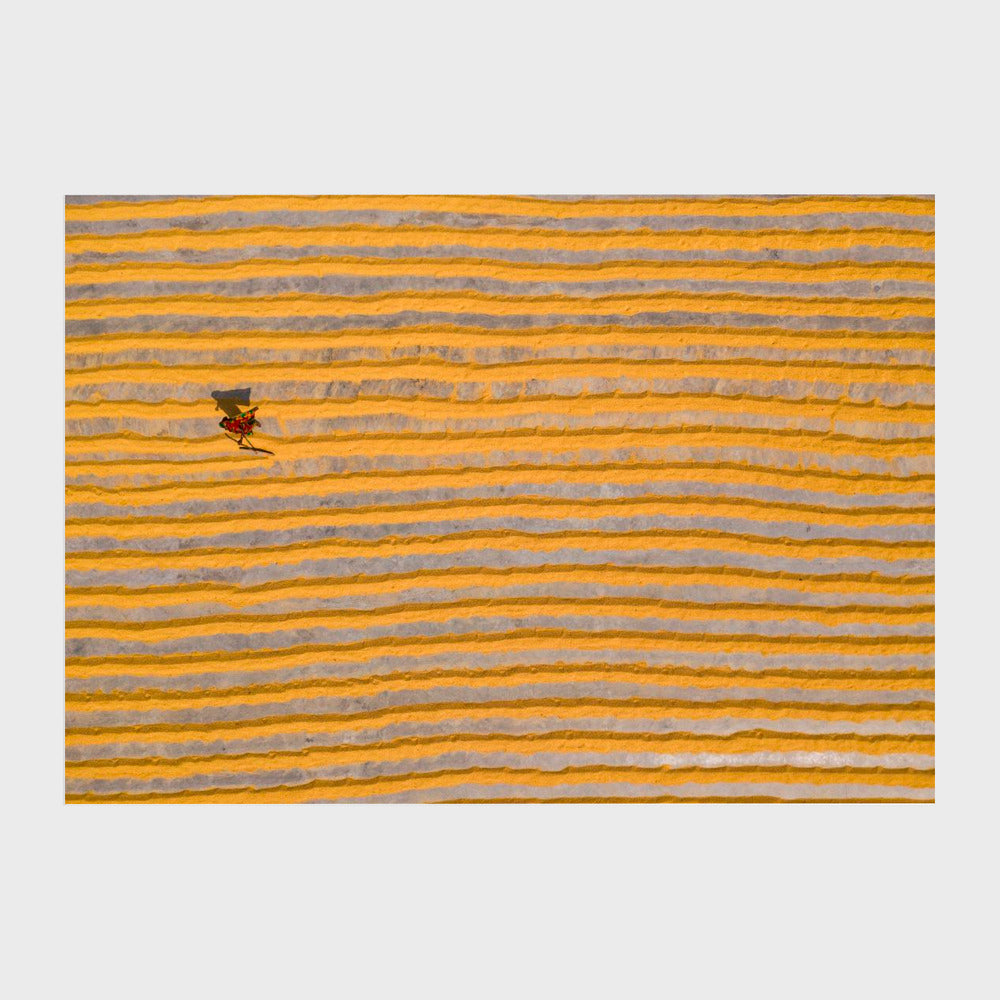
(576, 406)
(454, 267)
(219, 453)
(444, 335)
(300, 304)
(549, 368)
(497, 205)
(486, 238)
(129, 445)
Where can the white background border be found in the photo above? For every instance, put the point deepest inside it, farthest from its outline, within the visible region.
(514, 98)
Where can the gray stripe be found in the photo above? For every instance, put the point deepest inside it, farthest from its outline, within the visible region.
(431, 528)
(474, 625)
(360, 285)
(541, 198)
(250, 608)
(775, 459)
(258, 604)
(292, 742)
(394, 663)
(506, 354)
(187, 323)
(204, 429)
(96, 199)
(888, 393)
(460, 760)
(499, 696)
(484, 556)
(381, 219)
(855, 254)
(599, 792)
(513, 492)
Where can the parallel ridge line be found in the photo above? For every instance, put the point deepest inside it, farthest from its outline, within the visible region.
(921, 743)
(504, 432)
(708, 675)
(690, 429)
(626, 707)
(591, 468)
(721, 640)
(603, 602)
(718, 240)
(216, 764)
(810, 708)
(498, 335)
(695, 534)
(336, 537)
(765, 676)
(204, 204)
(594, 235)
(476, 304)
(331, 369)
(516, 499)
(260, 662)
(393, 265)
(158, 699)
(501, 775)
(326, 583)
(726, 437)
(870, 405)
(475, 294)
(502, 287)
(915, 447)
(139, 738)
(595, 225)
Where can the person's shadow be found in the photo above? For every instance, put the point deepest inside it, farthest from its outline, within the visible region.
(232, 402)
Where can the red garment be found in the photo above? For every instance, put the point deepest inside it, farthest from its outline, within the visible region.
(242, 424)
